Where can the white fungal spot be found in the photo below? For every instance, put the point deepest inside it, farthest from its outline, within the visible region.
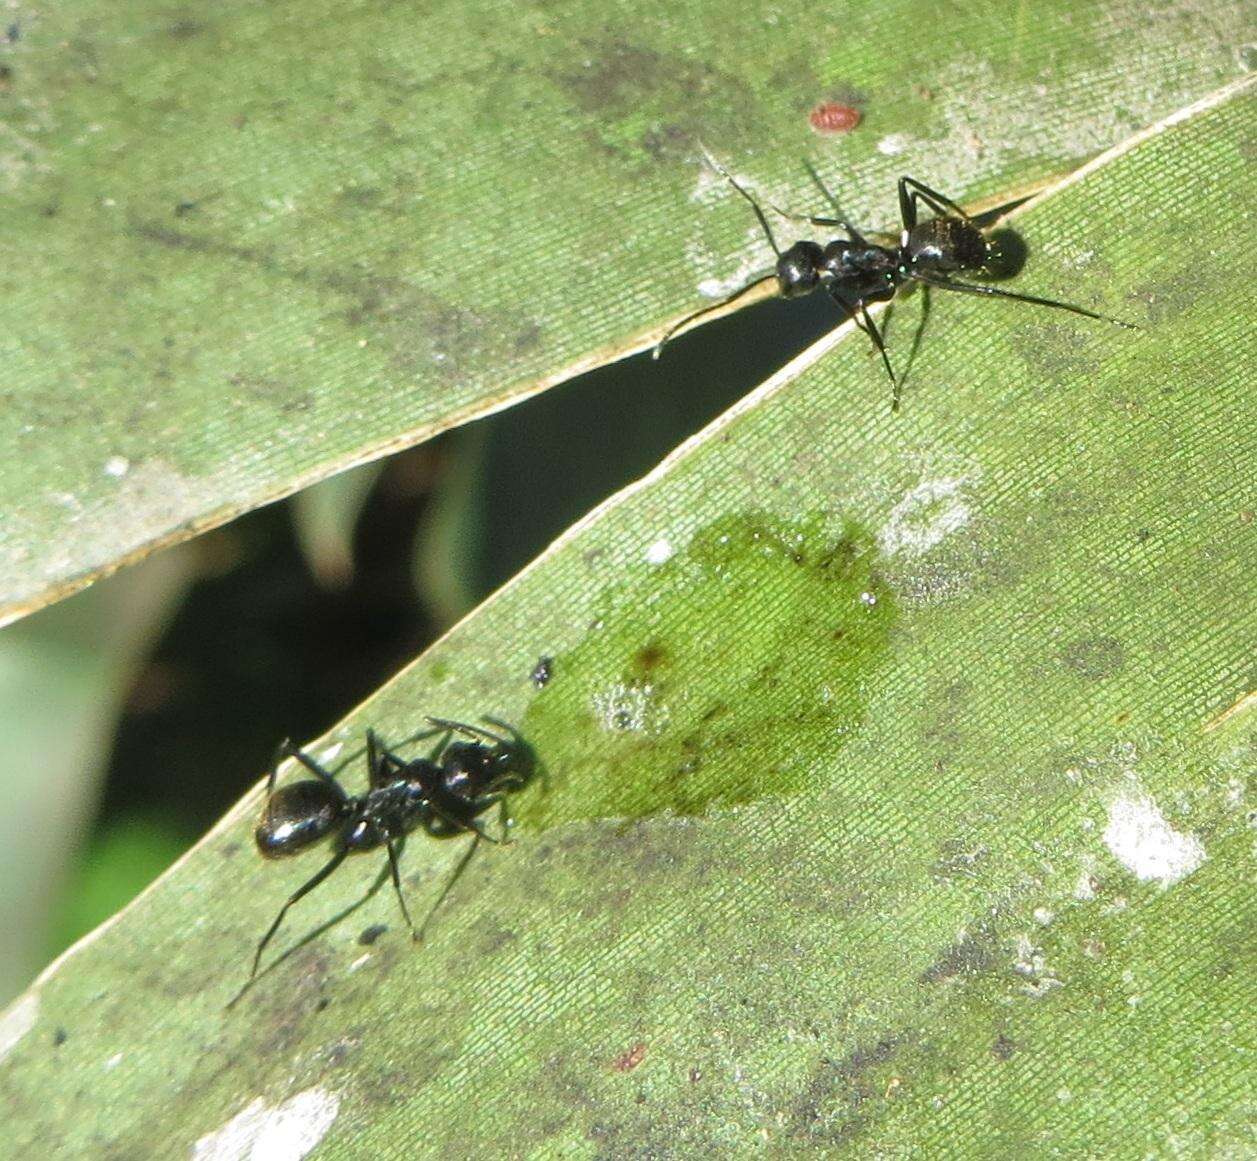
(1043, 916)
(660, 551)
(113, 1061)
(17, 1021)
(1032, 965)
(933, 510)
(868, 600)
(117, 466)
(893, 144)
(750, 265)
(1086, 886)
(286, 1132)
(708, 184)
(1146, 844)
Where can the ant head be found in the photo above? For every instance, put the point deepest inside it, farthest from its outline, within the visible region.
(296, 816)
(518, 758)
(1006, 253)
(799, 269)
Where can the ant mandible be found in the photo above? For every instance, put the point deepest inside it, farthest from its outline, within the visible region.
(443, 794)
(856, 272)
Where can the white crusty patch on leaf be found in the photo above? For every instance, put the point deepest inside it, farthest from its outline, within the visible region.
(285, 1132)
(931, 511)
(1141, 839)
(659, 551)
(1031, 964)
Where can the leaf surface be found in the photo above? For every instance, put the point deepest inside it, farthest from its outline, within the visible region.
(894, 779)
(248, 246)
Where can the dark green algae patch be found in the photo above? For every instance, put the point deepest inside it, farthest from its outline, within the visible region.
(730, 672)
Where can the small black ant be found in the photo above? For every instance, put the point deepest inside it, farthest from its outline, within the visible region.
(857, 272)
(443, 794)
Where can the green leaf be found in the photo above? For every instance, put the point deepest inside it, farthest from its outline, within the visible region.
(249, 246)
(894, 778)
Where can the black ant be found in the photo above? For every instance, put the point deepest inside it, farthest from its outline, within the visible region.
(443, 794)
(857, 272)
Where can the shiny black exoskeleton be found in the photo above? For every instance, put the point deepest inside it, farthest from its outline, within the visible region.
(856, 272)
(444, 794)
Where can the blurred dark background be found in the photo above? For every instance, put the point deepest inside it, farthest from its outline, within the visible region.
(291, 615)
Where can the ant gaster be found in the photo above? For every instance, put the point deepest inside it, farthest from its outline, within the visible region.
(443, 794)
(855, 272)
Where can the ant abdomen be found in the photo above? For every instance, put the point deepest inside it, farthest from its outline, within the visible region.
(799, 269)
(947, 244)
(296, 816)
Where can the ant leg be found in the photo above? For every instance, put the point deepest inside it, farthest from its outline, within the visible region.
(468, 731)
(995, 292)
(943, 206)
(512, 734)
(469, 824)
(865, 322)
(499, 793)
(473, 826)
(920, 331)
(449, 884)
(870, 328)
(507, 781)
(391, 846)
(715, 306)
(291, 751)
(281, 752)
(409, 740)
(815, 220)
(378, 758)
(304, 889)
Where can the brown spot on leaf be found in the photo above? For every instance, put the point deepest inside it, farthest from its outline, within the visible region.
(627, 1061)
(649, 657)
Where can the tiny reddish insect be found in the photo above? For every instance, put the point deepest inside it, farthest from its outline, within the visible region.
(833, 117)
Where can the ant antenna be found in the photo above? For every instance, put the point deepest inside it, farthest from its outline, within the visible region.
(717, 306)
(763, 221)
(813, 219)
(994, 292)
